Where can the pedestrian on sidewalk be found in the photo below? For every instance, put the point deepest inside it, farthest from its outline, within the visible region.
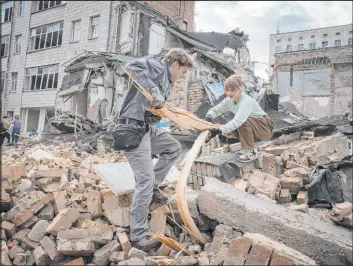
(6, 125)
(16, 130)
(250, 123)
(137, 134)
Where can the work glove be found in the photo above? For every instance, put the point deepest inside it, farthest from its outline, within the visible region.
(158, 99)
(209, 119)
(212, 133)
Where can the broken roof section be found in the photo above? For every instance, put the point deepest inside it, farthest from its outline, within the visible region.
(80, 69)
(218, 39)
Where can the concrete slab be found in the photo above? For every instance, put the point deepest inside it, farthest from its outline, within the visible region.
(325, 242)
(120, 178)
(40, 154)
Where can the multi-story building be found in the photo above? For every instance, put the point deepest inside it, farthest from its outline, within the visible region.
(311, 39)
(39, 37)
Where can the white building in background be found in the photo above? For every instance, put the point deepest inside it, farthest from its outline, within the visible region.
(39, 37)
(309, 40)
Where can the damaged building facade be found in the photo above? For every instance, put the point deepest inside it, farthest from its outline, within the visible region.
(39, 37)
(318, 82)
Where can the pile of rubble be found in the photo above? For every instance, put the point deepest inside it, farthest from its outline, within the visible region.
(57, 211)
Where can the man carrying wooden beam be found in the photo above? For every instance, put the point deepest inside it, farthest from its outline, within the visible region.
(140, 139)
(250, 122)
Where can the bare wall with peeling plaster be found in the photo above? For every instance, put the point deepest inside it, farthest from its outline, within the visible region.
(317, 82)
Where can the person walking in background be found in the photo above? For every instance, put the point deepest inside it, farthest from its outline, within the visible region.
(16, 129)
(6, 126)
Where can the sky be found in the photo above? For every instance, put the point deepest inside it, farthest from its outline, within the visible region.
(259, 19)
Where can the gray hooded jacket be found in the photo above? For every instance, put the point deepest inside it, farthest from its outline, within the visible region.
(148, 73)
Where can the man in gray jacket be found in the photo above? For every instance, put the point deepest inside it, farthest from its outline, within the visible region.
(157, 78)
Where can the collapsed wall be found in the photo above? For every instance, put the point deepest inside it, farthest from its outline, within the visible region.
(326, 243)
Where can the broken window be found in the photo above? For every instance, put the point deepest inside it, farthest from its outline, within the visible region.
(42, 78)
(10, 114)
(278, 49)
(6, 11)
(14, 81)
(94, 28)
(325, 35)
(43, 5)
(300, 38)
(279, 40)
(3, 81)
(18, 44)
(75, 30)
(289, 39)
(312, 36)
(300, 47)
(337, 43)
(338, 33)
(21, 8)
(324, 44)
(46, 36)
(5, 40)
(289, 48)
(312, 46)
(350, 41)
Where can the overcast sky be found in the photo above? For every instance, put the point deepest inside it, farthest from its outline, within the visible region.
(260, 19)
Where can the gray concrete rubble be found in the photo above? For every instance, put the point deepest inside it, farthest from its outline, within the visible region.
(324, 242)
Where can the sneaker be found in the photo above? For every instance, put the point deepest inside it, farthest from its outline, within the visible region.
(159, 197)
(147, 243)
(248, 156)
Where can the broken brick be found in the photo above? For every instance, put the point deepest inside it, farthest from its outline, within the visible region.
(38, 231)
(302, 197)
(264, 183)
(94, 203)
(158, 220)
(101, 256)
(136, 253)
(60, 201)
(118, 256)
(76, 262)
(14, 251)
(76, 247)
(40, 256)
(222, 233)
(291, 183)
(163, 250)
(116, 214)
(259, 255)
(269, 164)
(301, 207)
(240, 184)
(8, 227)
(281, 260)
(237, 251)
(63, 220)
(49, 246)
(340, 210)
(284, 196)
(124, 241)
(276, 150)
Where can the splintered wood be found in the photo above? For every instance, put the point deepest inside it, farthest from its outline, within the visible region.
(173, 244)
(178, 115)
(182, 182)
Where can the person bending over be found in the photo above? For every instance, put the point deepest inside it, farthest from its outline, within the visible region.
(250, 123)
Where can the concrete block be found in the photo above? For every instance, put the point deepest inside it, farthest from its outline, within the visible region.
(38, 231)
(63, 220)
(116, 214)
(291, 183)
(101, 256)
(40, 256)
(118, 256)
(49, 247)
(322, 241)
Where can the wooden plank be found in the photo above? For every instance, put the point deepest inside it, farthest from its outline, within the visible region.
(209, 170)
(181, 184)
(203, 169)
(198, 169)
